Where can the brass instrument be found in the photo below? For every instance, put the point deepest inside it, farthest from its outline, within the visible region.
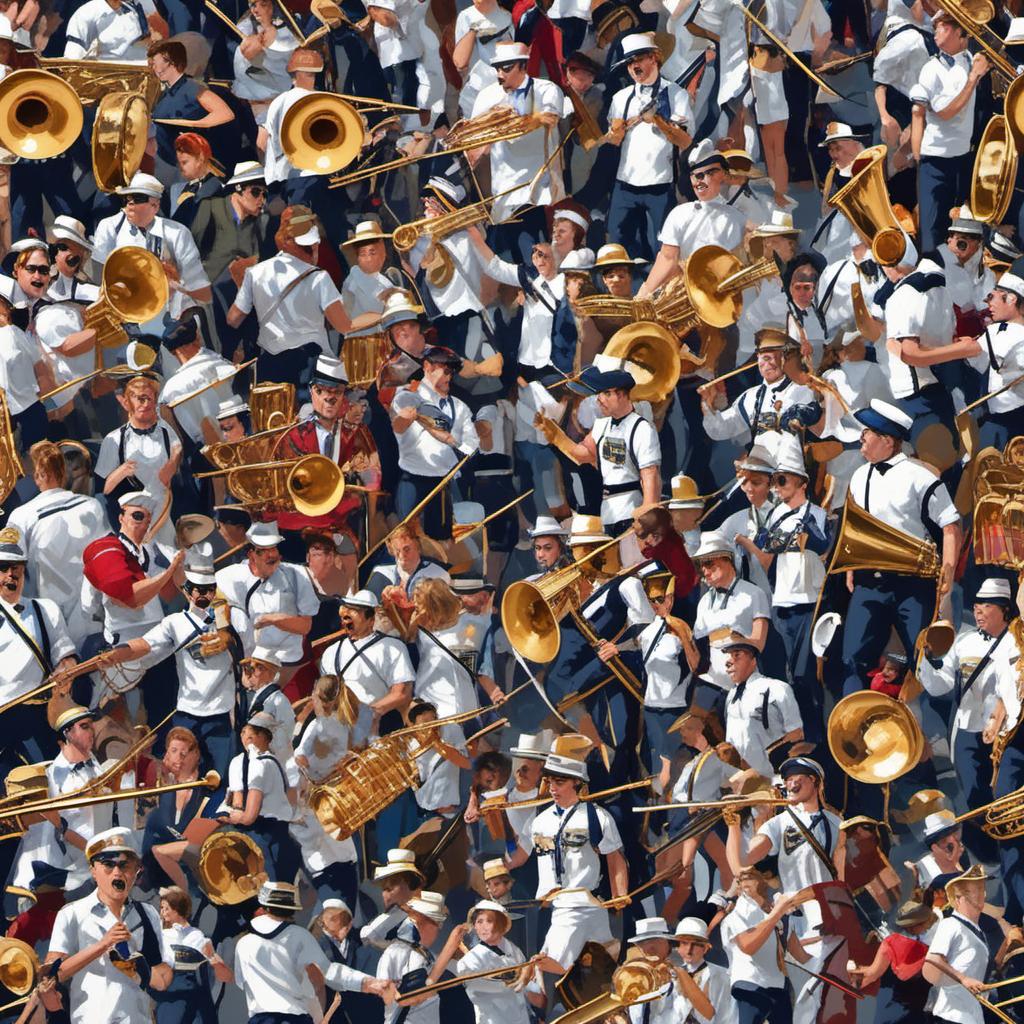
(363, 356)
(636, 981)
(19, 966)
(873, 737)
(322, 133)
(133, 289)
(246, 451)
(271, 405)
(94, 79)
(119, 136)
(656, 349)
(588, 131)
(11, 469)
(1004, 818)
(440, 986)
(864, 201)
(11, 826)
(311, 485)
(972, 16)
(739, 803)
(530, 613)
(144, 357)
(40, 115)
(995, 172)
(865, 542)
(231, 868)
(502, 124)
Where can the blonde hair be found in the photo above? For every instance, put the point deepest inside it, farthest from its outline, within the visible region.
(410, 530)
(48, 460)
(437, 607)
(327, 690)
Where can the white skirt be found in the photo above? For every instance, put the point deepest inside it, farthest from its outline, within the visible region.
(571, 928)
(769, 96)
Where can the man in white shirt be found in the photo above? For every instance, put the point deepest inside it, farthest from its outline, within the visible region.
(969, 280)
(521, 161)
(276, 596)
(692, 945)
(1001, 361)
(109, 945)
(648, 121)
(113, 30)
(943, 122)
(435, 431)
(34, 642)
(367, 252)
(834, 234)
(958, 954)
(903, 493)
(274, 961)
(709, 220)
(262, 693)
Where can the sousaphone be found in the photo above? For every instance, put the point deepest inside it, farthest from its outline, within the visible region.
(321, 133)
(995, 172)
(874, 738)
(40, 115)
(656, 349)
(133, 290)
(119, 137)
(231, 868)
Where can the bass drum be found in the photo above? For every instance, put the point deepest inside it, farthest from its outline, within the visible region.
(231, 868)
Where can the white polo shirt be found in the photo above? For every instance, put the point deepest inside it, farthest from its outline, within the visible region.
(97, 32)
(581, 863)
(399, 959)
(920, 308)
(201, 370)
(53, 325)
(462, 292)
(540, 300)
(624, 447)
(1002, 359)
(266, 774)
(418, 451)
(721, 611)
(645, 156)
(441, 677)
(703, 222)
(760, 968)
(439, 777)
(277, 705)
(758, 717)
(898, 495)
(101, 993)
(19, 353)
(368, 667)
(360, 292)
(22, 671)
(295, 320)
(286, 590)
(757, 410)
(665, 670)
(962, 944)
(799, 865)
(941, 80)
(493, 1000)
(799, 574)
(148, 448)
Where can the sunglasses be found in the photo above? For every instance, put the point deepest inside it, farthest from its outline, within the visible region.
(256, 190)
(38, 268)
(114, 862)
(137, 200)
(63, 247)
(781, 479)
(138, 517)
(203, 588)
(307, 249)
(701, 175)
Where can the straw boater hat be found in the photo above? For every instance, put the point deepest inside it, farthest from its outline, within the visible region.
(399, 862)
(366, 231)
(492, 906)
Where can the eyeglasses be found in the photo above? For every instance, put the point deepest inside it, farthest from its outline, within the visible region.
(701, 175)
(138, 517)
(256, 191)
(63, 247)
(38, 268)
(203, 588)
(114, 862)
(137, 200)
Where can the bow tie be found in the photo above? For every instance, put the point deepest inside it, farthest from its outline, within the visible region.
(981, 633)
(493, 949)
(142, 431)
(947, 59)
(647, 90)
(19, 607)
(883, 467)
(80, 766)
(135, 232)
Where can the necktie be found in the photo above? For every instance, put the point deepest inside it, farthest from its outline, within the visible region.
(327, 445)
(519, 99)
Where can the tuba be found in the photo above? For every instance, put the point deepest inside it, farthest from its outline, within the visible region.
(865, 542)
(133, 290)
(40, 115)
(231, 868)
(19, 966)
(271, 406)
(864, 201)
(995, 172)
(656, 349)
(94, 79)
(873, 737)
(11, 469)
(119, 137)
(715, 281)
(311, 485)
(321, 133)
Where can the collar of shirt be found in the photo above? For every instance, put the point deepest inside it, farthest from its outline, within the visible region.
(264, 924)
(131, 547)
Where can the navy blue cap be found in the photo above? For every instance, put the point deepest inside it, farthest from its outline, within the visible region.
(885, 418)
(180, 332)
(801, 766)
(593, 380)
(444, 355)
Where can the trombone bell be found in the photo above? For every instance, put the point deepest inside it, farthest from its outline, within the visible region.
(321, 133)
(40, 114)
(530, 622)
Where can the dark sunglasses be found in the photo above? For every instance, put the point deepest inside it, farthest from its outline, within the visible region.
(701, 175)
(256, 190)
(780, 479)
(38, 269)
(136, 199)
(138, 516)
(203, 588)
(63, 247)
(114, 862)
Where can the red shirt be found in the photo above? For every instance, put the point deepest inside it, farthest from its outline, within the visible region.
(671, 552)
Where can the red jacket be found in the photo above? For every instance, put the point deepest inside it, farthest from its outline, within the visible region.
(672, 554)
(111, 568)
(302, 440)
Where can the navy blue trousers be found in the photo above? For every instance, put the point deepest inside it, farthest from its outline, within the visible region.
(636, 214)
(942, 181)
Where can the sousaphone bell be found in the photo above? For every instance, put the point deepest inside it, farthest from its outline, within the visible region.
(231, 868)
(133, 290)
(995, 172)
(19, 966)
(40, 114)
(321, 133)
(874, 738)
(656, 349)
(119, 136)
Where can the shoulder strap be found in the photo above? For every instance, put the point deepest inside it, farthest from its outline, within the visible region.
(632, 436)
(37, 652)
(823, 855)
(980, 667)
(289, 288)
(44, 633)
(151, 949)
(701, 761)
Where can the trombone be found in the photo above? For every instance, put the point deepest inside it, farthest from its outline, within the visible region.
(144, 357)
(738, 803)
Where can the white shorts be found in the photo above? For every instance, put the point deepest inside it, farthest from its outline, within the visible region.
(769, 96)
(573, 927)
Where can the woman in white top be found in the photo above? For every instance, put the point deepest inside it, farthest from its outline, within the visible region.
(261, 60)
(323, 741)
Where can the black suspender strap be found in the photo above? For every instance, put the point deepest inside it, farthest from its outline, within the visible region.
(823, 854)
(41, 656)
(980, 667)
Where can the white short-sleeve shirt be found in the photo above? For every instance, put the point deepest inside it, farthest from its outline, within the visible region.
(703, 222)
(965, 950)
(941, 80)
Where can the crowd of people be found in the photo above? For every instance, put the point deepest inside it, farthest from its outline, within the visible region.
(510, 512)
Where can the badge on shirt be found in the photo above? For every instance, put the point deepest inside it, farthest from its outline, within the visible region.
(792, 839)
(613, 451)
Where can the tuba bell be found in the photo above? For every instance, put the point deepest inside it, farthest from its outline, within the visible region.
(321, 133)
(873, 737)
(656, 349)
(40, 115)
(119, 136)
(19, 966)
(133, 290)
(995, 172)
(864, 201)
(865, 542)
(231, 868)
(715, 280)
(311, 485)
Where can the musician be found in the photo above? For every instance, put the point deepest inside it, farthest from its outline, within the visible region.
(259, 800)
(834, 236)
(188, 997)
(765, 302)
(267, 44)
(709, 220)
(754, 473)
(761, 412)
(374, 666)
(276, 960)
(686, 507)
(762, 718)
(493, 1001)
(204, 655)
(341, 945)
(549, 547)
(277, 596)
(569, 839)
(396, 582)
(902, 493)
(109, 946)
(958, 954)
(648, 121)
(943, 836)
(366, 251)
(140, 224)
(943, 120)
(729, 604)
(119, 31)
(234, 419)
(261, 673)
(898, 65)
(1000, 361)
(434, 431)
(692, 944)
(796, 538)
(194, 160)
(291, 296)
(521, 161)
(399, 880)
(622, 444)
(34, 642)
(968, 280)
(74, 768)
(805, 318)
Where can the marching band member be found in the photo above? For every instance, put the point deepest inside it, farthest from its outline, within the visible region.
(364, 284)
(755, 472)
(261, 674)
(263, 57)
(692, 944)
(342, 945)
(492, 999)
(118, 31)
